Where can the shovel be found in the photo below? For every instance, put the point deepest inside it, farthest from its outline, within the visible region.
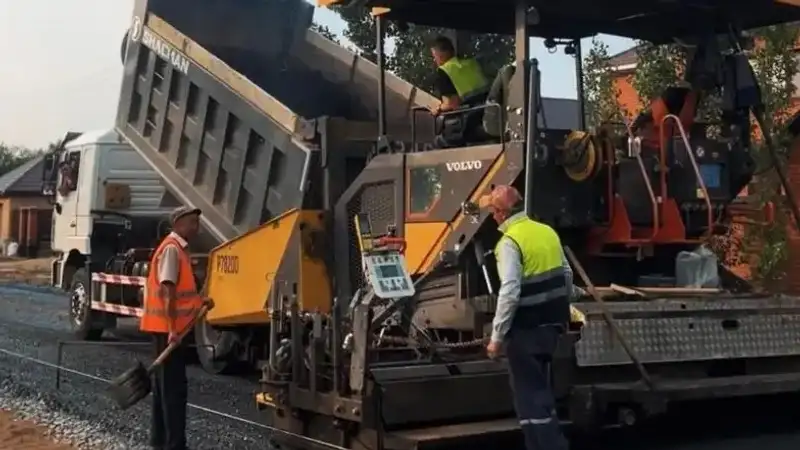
(134, 384)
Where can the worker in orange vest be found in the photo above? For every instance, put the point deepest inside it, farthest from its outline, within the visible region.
(171, 301)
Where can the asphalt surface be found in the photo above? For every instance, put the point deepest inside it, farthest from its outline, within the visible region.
(34, 320)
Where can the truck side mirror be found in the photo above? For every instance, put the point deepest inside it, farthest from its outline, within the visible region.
(49, 163)
(49, 174)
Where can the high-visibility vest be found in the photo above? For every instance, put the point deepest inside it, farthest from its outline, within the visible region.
(466, 75)
(156, 318)
(543, 275)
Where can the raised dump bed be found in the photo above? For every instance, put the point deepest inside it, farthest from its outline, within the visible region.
(226, 99)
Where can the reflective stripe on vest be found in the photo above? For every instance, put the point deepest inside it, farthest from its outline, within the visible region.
(466, 76)
(156, 317)
(543, 276)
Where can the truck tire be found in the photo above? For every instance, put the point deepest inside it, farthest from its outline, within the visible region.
(81, 316)
(217, 350)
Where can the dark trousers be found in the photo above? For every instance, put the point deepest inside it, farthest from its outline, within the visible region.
(529, 352)
(170, 389)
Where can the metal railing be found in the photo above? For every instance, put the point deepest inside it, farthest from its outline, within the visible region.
(462, 111)
(695, 166)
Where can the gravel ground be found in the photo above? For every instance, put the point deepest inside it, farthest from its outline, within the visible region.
(33, 320)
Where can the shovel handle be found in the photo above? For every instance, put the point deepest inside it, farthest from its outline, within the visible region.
(174, 344)
(609, 318)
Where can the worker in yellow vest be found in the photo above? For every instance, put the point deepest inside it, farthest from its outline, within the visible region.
(171, 301)
(458, 80)
(532, 312)
(459, 83)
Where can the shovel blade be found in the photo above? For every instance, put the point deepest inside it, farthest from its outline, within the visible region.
(129, 388)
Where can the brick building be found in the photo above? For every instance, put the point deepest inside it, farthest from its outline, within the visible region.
(25, 214)
(624, 66)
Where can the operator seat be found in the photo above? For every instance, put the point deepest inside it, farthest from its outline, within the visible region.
(495, 115)
(488, 124)
(462, 126)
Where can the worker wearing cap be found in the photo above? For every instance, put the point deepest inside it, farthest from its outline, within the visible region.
(532, 311)
(171, 301)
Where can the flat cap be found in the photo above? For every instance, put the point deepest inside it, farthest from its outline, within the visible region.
(503, 198)
(183, 211)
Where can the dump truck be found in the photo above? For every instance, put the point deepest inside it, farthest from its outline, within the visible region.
(245, 132)
(239, 124)
(350, 258)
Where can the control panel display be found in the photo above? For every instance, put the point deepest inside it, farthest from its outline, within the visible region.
(712, 175)
(388, 275)
(389, 271)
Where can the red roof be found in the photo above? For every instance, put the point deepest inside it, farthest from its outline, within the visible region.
(624, 58)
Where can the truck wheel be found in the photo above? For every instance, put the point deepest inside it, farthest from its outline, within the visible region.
(217, 350)
(81, 316)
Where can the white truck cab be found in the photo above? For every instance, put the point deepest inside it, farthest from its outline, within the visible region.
(107, 198)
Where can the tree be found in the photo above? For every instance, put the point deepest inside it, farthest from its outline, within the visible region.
(324, 31)
(774, 62)
(601, 95)
(657, 67)
(360, 30)
(411, 59)
(12, 157)
(661, 66)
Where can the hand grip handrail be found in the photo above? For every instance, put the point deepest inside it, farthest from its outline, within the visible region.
(488, 105)
(695, 167)
(637, 153)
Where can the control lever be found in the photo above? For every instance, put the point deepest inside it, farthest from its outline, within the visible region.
(471, 211)
(480, 257)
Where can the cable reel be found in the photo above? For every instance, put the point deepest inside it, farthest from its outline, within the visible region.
(581, 156)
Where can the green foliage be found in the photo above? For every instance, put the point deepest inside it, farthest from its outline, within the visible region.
(775, 66)
(657, 67)
(661, 66)
(601, 95)
(411, 59)
(12, 157)
(324, 31)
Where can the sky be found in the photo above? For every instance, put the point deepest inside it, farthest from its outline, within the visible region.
(61, 69)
